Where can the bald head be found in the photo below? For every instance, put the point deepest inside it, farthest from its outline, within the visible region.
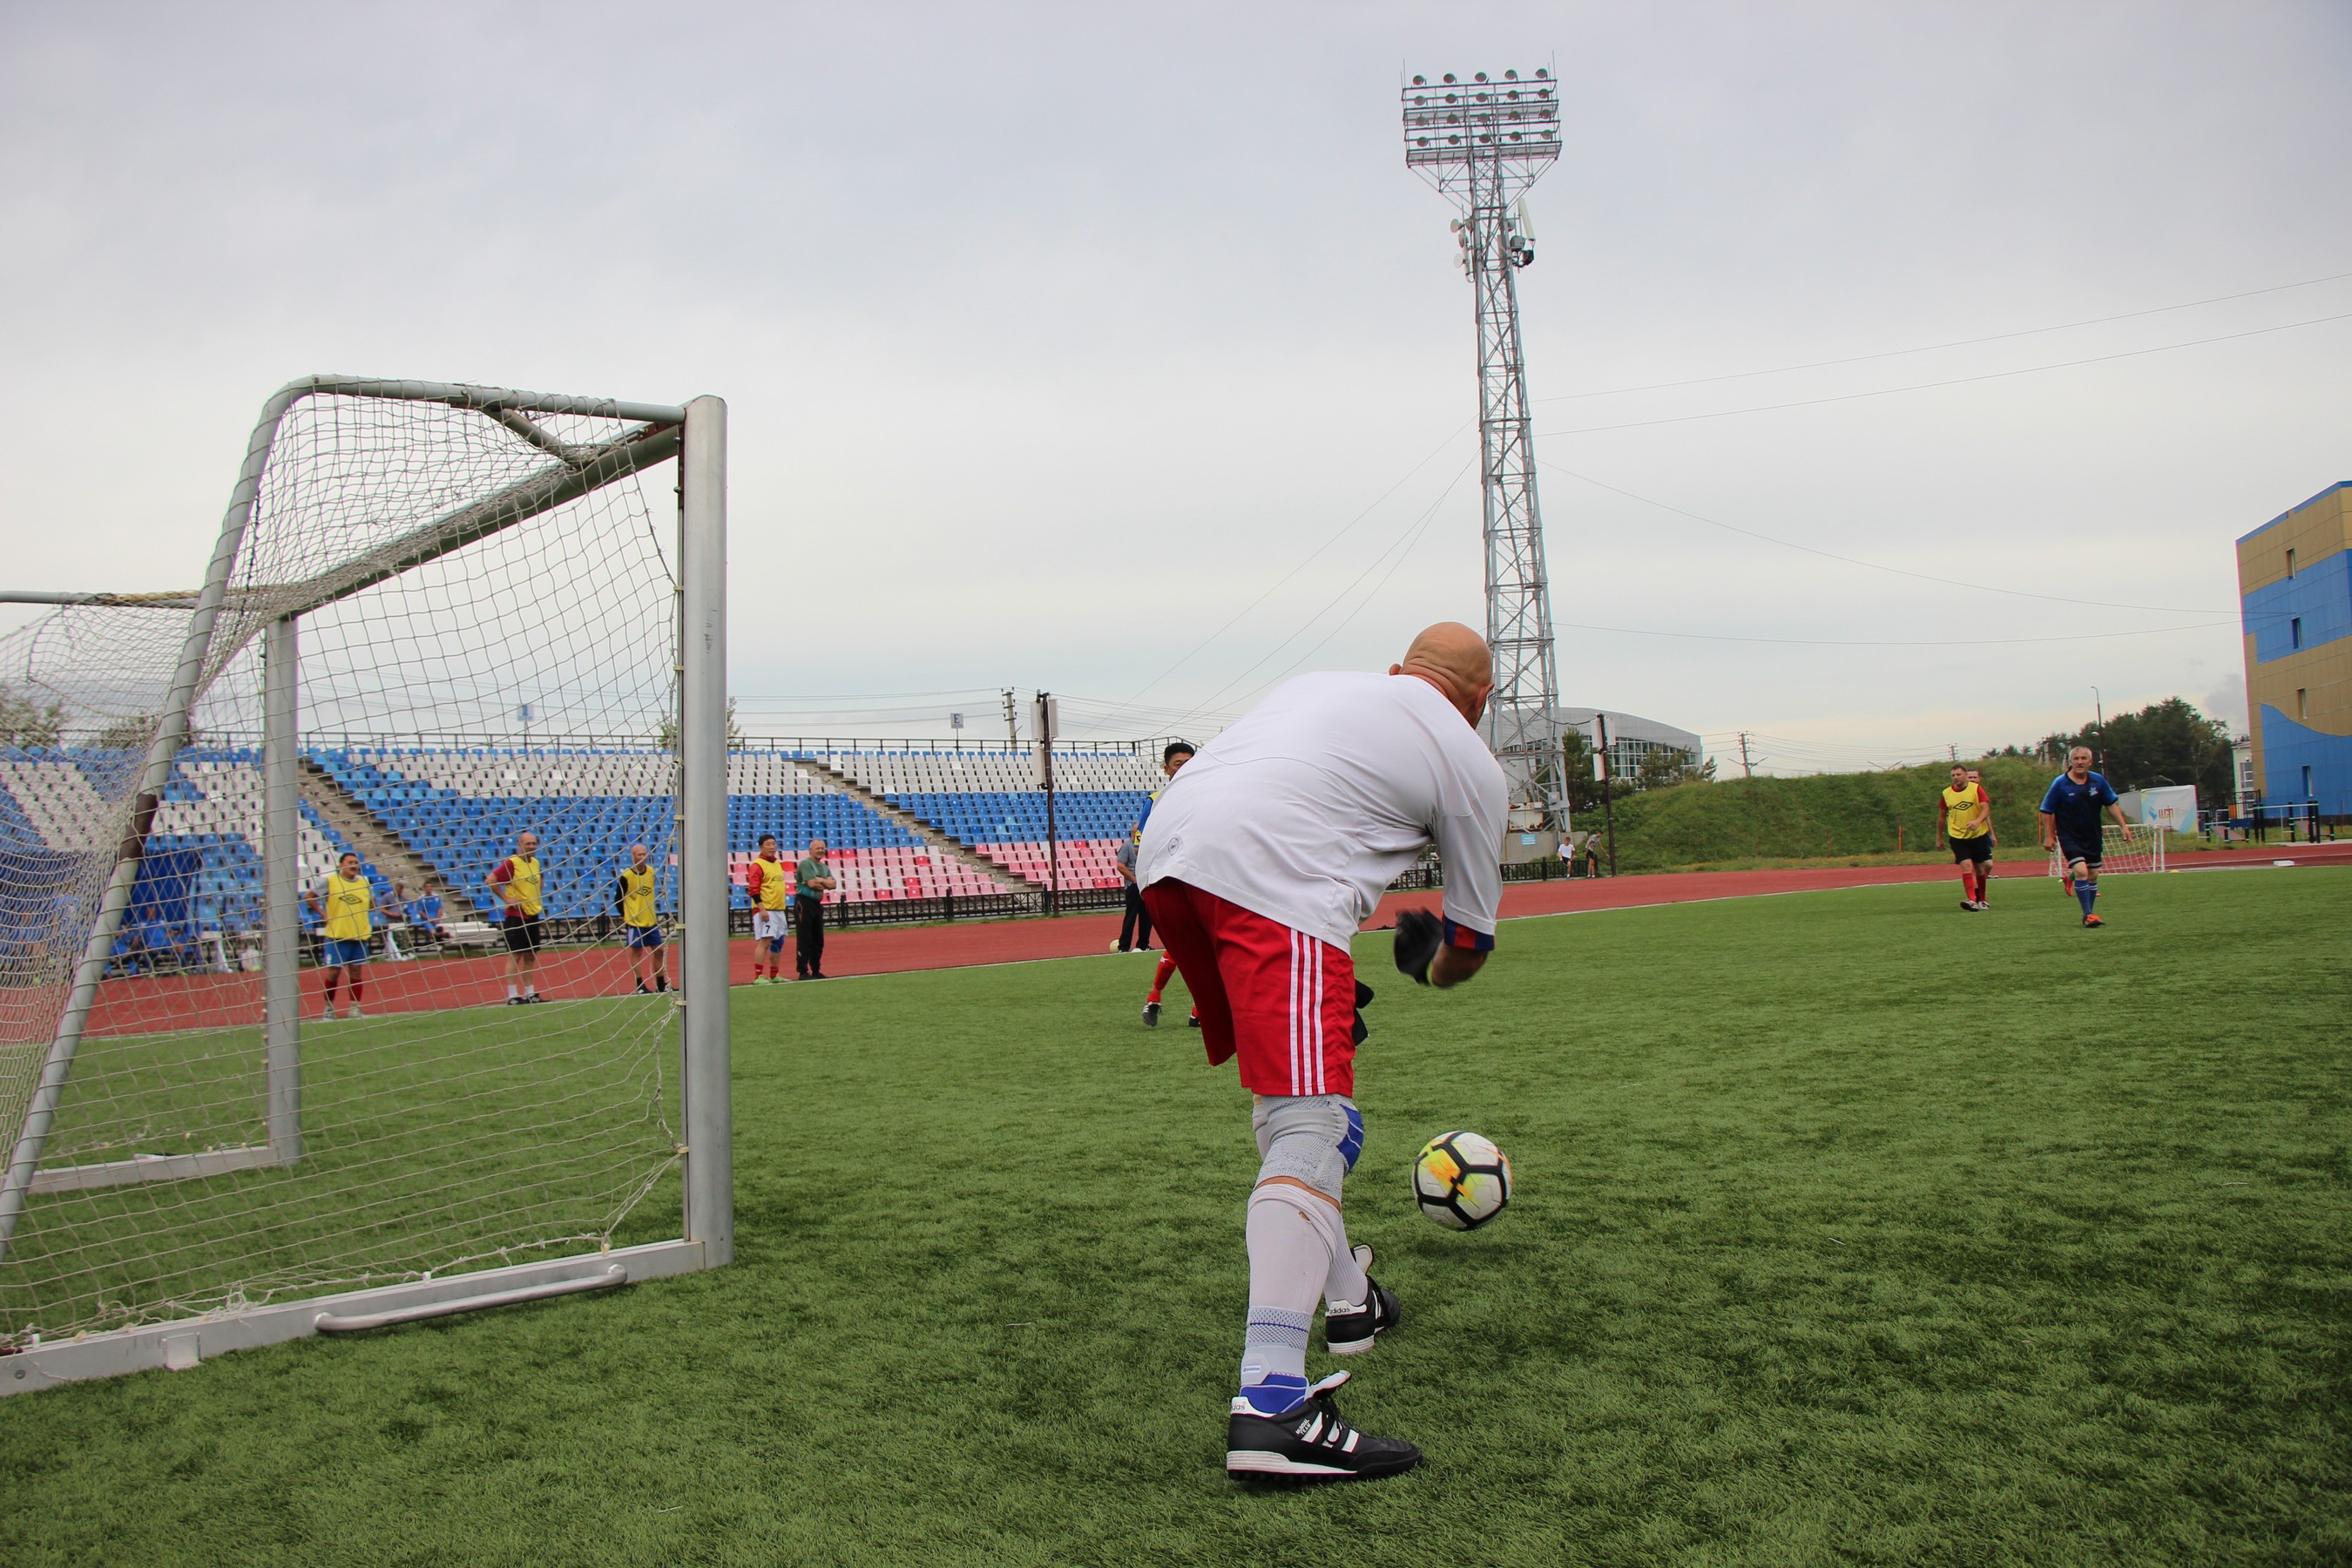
(1454, 660)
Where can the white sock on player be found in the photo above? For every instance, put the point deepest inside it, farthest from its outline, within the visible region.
(1345, 1289)
(1288, 1263)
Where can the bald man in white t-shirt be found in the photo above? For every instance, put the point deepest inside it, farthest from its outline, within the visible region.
(1259, 863)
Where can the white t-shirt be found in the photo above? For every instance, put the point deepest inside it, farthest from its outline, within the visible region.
(1308, 808)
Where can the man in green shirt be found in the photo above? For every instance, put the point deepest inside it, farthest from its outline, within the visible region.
(812, 879)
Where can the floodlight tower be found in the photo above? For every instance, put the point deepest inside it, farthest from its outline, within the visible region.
(1483, 143)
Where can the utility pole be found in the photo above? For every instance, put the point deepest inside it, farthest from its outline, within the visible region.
(1953, 747)
(1608, 788)
(1012, 721)
(1746, 768)
(1483, 143)
(1046, 714)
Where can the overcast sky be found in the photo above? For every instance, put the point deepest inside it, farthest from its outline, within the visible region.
(1056, 336)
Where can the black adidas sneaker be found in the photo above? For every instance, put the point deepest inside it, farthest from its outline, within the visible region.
(1351, 1333)
(1151, 1014)
(1312, 1443)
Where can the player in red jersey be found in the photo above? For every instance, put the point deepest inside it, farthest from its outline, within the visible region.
(1259, 864)
(1176, 754)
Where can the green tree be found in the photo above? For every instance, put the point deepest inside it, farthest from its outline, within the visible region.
(666, 738)
(131, 734)
(25, 722)
(1662, 769)
(2166, 743)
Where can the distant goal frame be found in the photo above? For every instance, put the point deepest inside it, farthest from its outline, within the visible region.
(2123, 853)
(693, 434)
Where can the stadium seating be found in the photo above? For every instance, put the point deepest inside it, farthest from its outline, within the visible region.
(458, 811)
(212, 805)
(990, 801)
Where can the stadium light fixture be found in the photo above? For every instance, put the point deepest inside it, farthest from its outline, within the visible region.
(1482, 144)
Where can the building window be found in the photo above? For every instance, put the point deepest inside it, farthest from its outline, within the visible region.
(2290, 562)
(2294, 632)
(2302, 702)
(2306, 781)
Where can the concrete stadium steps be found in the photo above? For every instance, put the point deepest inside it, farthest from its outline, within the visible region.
(363, 831)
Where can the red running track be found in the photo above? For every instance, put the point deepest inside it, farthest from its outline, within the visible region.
(214, 1001)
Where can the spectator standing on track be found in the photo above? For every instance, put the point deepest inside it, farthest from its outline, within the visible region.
(635, 899)
(1259, 864)
(1135, 927)
(343, 904)
(813, 879)
(765, 885)
(521, 884)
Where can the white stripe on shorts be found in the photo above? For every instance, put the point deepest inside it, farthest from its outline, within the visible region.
(1294, 1089)
(1315, 1010)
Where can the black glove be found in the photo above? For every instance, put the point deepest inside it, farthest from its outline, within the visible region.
(1419, 936)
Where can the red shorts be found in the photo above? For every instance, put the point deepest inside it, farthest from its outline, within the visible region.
(1282, 1000)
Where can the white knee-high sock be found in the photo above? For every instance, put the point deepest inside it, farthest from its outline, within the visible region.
(1289, 1262)
(1345, 1289)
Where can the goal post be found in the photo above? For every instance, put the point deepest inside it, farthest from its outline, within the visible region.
(2123, 850)
(399, 561)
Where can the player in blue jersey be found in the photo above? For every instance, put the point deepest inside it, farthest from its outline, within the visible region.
(2070, 823)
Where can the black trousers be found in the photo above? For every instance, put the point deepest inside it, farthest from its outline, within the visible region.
(808, 933)
(1135, 931)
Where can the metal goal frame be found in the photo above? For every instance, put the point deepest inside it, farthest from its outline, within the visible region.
(693, 434)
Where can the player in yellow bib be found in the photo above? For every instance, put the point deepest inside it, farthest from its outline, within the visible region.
(635, 897)
(521, 884)
(344, 903)
(1963, 813)
(771, 892)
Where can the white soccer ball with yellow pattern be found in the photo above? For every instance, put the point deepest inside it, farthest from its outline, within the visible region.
(1460, 1180)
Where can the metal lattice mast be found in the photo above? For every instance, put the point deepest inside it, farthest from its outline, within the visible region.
(1482, 143)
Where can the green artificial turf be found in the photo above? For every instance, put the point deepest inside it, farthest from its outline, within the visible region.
(1849, 1227)
(442, 1141)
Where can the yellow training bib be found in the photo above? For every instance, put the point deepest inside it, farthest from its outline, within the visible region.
(772, 884)
(1959, 808)
(524, 883)
(638, 898)
(347, 902)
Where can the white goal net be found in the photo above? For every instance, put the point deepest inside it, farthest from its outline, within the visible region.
(2125, 849)
(265, 893)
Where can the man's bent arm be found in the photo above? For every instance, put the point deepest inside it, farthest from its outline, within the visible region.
(2049, 829)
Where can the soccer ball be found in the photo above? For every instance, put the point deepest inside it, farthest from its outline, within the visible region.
(1461, 1179)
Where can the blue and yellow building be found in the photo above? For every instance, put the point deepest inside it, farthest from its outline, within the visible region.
(2294, 591)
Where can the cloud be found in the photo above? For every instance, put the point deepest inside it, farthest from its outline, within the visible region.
(1054, 336)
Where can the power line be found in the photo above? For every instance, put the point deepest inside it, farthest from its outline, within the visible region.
(1871, 642)
(1936, 348)
(1873, 566)
(1342, 624)
(1311, 555)
(1954, 381)
(1409, 536)
(856, 696)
